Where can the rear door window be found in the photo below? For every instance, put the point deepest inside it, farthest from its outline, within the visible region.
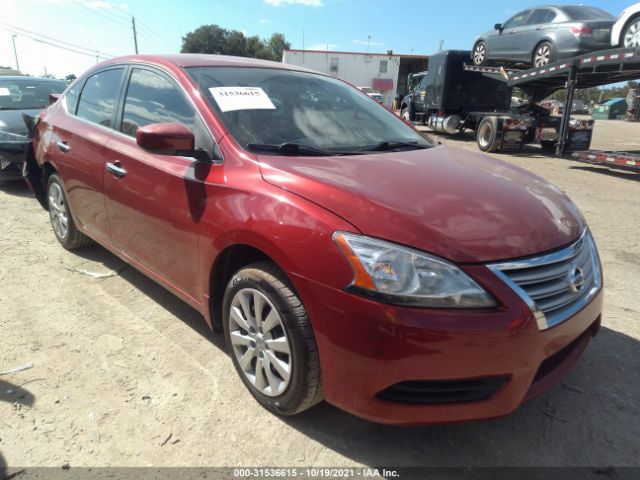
(541, 16)
(99, 97)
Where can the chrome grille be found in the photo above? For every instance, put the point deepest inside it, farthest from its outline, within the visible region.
(555, 285)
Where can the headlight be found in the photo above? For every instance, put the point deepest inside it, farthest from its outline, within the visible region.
(400, 275)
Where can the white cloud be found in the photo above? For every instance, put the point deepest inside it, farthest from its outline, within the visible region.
(264, 20)
(367, 42)
(306, 3)
(323, 46)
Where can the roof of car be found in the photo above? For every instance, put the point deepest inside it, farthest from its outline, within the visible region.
(206, 60)
(28, 78)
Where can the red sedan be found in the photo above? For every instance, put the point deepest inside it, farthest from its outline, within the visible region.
(345, 256)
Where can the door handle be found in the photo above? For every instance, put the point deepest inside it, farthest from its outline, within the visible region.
(62, 146)
(116, 169)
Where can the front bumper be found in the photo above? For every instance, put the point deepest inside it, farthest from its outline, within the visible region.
(366, 347)
(12, 153)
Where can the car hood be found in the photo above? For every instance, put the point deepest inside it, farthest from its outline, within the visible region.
(11, 121)
(463, 206)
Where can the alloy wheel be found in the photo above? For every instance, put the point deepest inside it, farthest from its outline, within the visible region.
(58, 211)
(632, 35)
(542, 56)
(479, 54)
(260, 342)
(484, 135)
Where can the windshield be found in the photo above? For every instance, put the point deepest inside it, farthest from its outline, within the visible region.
(25, 94)
(285, 107)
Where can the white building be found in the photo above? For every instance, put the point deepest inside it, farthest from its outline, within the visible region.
(384, 72)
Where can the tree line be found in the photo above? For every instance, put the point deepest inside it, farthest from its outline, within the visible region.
(217, 40)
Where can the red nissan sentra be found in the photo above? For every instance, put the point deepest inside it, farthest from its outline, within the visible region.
(345, 256)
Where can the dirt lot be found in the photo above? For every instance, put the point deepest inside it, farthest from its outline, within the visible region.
(125, 374)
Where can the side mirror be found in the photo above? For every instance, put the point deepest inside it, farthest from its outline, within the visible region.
(168, 139)
(53, 98)
(498, 26)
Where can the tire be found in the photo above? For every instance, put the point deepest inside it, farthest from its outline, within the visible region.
(283, 391)
(62, 222)
(543, 54)
(548, 146)
(480, 54)
(406, 116)
(487, 134)
(630, 35)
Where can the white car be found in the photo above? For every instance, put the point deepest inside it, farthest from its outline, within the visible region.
(372, 93)
(626, 31)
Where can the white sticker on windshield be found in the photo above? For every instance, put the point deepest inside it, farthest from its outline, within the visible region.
(241, 98)
(4, 92)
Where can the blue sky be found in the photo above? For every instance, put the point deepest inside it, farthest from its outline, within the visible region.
(341, 24)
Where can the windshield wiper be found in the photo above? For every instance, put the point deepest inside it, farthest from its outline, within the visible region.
(296, 149)
(390, 145)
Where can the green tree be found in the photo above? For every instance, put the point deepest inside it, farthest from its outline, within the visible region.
(217, 40)
(277, 44)
(205, 39)
(70, 78)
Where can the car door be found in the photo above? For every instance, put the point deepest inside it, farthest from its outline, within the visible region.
(533, 32)
(79, 137)
(508, 42)
(155, 201)
(419, 95)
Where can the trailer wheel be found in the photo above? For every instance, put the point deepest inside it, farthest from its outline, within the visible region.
(487, 134)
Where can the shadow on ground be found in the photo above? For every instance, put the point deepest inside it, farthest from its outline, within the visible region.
(16, 188)
(590, 419)
(151, 289)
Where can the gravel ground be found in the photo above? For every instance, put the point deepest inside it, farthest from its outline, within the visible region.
(125, 374)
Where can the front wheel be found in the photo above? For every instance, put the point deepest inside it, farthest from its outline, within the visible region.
(630, 36)
(405, 115)
(480, 54)
(271, 341)
(62, 222)
(544, 54)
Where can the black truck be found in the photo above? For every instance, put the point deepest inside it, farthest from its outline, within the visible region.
(453, 97)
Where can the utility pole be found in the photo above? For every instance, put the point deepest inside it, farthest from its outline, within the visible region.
(135, 36)
(368, 43)
(15, 52)
(441, 45)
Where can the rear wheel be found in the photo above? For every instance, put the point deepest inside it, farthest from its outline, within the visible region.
(630, 36)
(271, 341)
(62, 222)
(480, 54)
(544, 54)
(487, 134)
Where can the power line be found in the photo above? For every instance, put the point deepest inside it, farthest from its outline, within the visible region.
(144, 29)
(54, 42)
(95, 12)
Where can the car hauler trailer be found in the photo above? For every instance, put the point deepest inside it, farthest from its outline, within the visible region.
(501, 127)
(454, 97)
(594, 69)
